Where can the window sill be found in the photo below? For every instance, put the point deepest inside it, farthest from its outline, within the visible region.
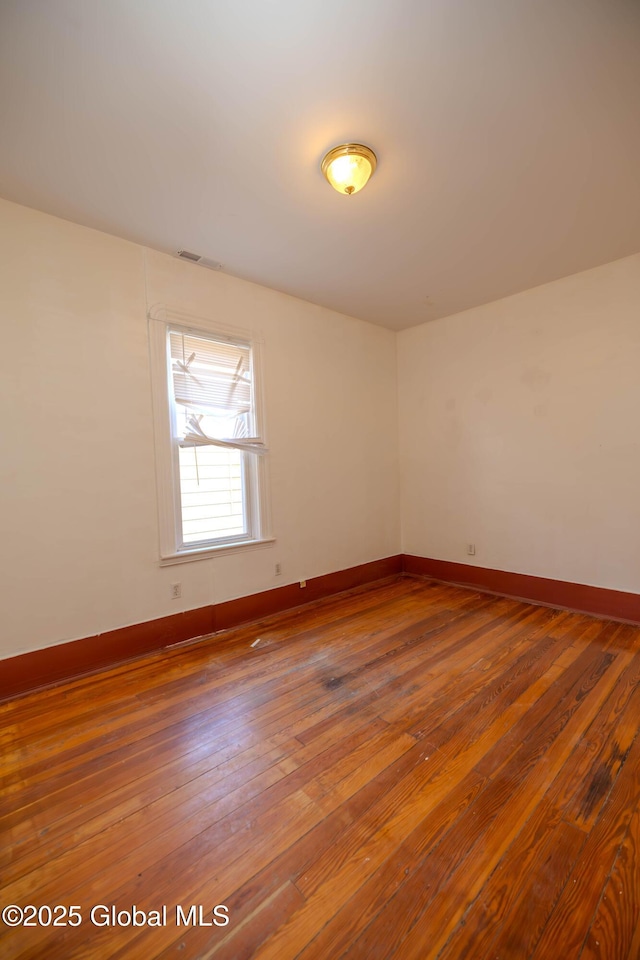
(187, 556)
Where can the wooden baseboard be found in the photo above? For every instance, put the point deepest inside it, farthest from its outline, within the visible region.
(599, 601)
(64, 661)
(41, 668)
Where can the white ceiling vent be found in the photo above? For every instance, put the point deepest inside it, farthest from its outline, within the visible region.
(196, 258)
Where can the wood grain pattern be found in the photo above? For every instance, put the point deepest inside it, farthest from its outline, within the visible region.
(601, 601)
(406, 770)
(64, 661)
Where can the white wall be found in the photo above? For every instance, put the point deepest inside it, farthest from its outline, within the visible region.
(520, 431)
(77, 474)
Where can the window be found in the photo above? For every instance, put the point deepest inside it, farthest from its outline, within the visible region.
(210, 446)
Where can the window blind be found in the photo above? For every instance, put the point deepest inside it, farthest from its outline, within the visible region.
(213, 392)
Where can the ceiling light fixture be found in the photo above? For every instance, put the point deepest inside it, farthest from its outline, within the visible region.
(349, 166)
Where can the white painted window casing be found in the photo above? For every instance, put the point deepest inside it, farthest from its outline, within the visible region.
(210, 446)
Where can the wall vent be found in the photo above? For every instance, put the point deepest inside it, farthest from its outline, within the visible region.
(197, 258)
(194, 257)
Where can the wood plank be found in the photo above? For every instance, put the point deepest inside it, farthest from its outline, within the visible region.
(538, 895)
(570, 920)
(408, 770)
(330, 883)
(617, 915)
(494, 906)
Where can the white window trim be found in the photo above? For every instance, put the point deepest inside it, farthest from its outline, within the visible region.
(161, 320)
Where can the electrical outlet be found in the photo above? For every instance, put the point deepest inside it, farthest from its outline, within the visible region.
(278, 569)
(471, 549)
(176, 591)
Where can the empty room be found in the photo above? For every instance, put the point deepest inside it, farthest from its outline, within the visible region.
(320, 483)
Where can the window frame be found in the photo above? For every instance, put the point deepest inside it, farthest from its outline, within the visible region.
(253, 466)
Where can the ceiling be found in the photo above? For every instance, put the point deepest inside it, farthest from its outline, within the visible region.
(507, 135)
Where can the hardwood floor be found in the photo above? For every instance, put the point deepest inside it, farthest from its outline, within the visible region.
(409, 770)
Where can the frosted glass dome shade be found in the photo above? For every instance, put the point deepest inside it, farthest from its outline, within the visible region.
(348, 167)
